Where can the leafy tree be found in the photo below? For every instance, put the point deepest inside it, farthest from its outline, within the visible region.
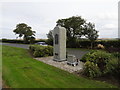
(74, 27)
(26, 32)
(50, 38)
(90, 32)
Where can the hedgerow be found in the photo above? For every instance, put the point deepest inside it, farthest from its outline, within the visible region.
(41, 51)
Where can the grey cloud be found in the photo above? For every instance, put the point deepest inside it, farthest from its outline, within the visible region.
(42, 16)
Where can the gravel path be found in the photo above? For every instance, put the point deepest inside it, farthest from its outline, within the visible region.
(62, 65)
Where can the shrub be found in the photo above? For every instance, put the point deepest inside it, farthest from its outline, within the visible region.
(100, 46)
(116, 54)
(98, 63)
(96, 59)
(112, 65)
(32, 48)
(41, 51)
(113, 68)
(96, 56)
(87, 57)
(91, 69)
(50, 50)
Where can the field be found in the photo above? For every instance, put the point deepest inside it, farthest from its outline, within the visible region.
(20, 70)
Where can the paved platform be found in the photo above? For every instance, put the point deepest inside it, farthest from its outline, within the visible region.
(62, 65)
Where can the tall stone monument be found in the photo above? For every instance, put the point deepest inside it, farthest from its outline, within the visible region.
(59, 34)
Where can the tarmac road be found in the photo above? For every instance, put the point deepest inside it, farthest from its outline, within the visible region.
(16, 45)
(78, 53)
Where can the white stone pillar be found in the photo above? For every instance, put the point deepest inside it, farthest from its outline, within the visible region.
(59, 43)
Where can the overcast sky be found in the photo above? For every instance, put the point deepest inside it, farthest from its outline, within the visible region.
(42, 15)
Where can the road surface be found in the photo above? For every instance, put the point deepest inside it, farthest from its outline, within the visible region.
(77, 52)
(16, 45)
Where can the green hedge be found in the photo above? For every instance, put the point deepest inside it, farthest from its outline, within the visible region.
(41, 51)
(109, 43)
(20, 41)
(12, 41)
(87, 43)
(77, 43)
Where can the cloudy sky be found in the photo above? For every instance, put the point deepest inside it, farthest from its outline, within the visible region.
(42, 15)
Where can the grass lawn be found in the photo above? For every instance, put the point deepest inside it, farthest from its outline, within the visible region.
(21, 71)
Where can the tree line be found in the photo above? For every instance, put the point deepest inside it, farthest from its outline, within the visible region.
(76, 27)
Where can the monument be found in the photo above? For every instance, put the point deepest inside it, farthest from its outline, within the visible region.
(59, 34)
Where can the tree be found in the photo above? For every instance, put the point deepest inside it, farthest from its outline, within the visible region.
(50, 38)
(74, 27)
(90, 32)
(26, 32)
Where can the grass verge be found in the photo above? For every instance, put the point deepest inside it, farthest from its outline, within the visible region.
(21, 71)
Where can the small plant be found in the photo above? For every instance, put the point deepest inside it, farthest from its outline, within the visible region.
(116, 54)
(100, 46)
(32, 48)
(113, 66)
(91, 69)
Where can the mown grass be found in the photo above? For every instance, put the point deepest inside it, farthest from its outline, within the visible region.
(21, 71)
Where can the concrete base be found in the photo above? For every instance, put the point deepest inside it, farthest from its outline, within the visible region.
(60, 60)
